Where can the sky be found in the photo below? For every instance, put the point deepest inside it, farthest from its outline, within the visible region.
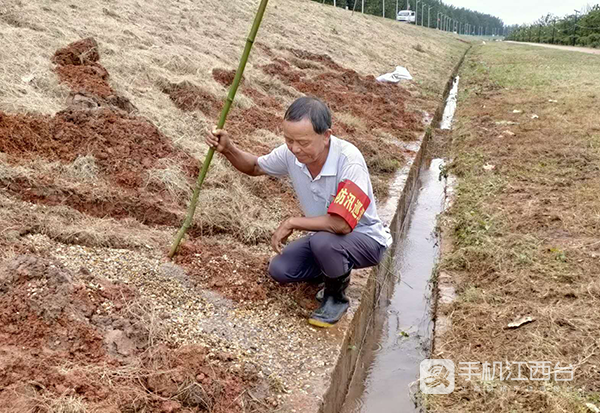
(521, 11)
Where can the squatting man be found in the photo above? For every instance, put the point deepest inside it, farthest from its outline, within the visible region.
(333, 186)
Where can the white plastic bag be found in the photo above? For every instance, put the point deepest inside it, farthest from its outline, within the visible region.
(401, 73)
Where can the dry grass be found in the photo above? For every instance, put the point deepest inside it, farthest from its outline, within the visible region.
(69, 226)
(350, 120)
(170, 176)
(64, 223)
(84, 169)
(63, 404)
(525, 234)
(233, 208)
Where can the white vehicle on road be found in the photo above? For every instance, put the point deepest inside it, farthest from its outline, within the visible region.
(406, 16)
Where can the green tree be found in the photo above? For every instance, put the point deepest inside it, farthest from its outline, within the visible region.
(581, 29)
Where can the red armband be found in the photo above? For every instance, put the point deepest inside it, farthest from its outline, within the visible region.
(350, 203)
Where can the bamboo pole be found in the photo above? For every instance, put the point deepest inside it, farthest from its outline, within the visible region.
(232, 91)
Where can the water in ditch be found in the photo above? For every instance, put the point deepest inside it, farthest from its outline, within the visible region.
(450, 108)
(402, 327)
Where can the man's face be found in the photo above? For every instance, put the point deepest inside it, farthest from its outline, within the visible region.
(304, 142)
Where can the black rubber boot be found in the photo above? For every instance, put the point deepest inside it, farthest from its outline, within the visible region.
(334, 303)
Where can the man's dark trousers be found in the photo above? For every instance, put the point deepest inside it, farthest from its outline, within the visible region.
(324, 253)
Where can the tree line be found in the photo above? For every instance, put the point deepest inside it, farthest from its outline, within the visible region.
(430, 13)
(582, 28)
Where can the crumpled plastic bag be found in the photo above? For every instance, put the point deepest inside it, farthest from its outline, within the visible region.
(401, 73)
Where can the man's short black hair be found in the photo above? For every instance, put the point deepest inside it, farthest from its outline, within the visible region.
(313, 109)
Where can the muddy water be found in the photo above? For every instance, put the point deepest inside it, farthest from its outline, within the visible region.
(403, 326)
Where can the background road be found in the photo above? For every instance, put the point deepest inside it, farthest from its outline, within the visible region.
(554, 46)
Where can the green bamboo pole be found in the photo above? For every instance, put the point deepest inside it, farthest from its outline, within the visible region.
(232, 91)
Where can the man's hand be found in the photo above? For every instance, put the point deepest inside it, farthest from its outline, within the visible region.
(281, 235)
(218, 139)
(242, 161)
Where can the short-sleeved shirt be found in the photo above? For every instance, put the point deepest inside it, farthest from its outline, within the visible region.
(344, 162)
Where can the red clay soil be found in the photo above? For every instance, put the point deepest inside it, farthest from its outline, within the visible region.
(193, 382)
(284, 71)
(150, 209)
(264, 49)
(325, 60)
(189, 97)
(376, 105)
(89, 79)
(379, 105)
(240, 123)
(73, 335)
(124, 148)
(232, 271)
(124, 145)
(238, 274)
(261, 100)
(78, 67)
(48, 316)
(224, 77)
(82, 52)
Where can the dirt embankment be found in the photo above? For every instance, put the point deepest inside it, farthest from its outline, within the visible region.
(100, 124)
(111, 151)
(124, 167)
(371, 106)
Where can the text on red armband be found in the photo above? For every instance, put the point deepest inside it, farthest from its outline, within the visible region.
(350, 203)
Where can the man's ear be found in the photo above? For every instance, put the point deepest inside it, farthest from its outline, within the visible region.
(327, 135)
